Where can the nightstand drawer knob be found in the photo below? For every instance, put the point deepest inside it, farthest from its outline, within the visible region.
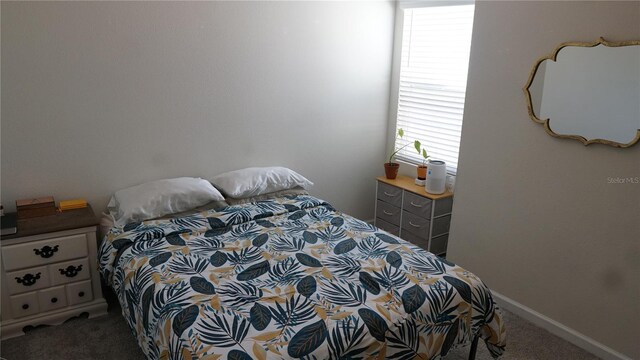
(54, 300)
(28, 279)
(71, 270)
(414, 225)
(46, 251)
(81, 294)
(25, 306)
(387, 212)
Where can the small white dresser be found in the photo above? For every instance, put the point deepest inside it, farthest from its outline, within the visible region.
(408, 211)
(49, 271)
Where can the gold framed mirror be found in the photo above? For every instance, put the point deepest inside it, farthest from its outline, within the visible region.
(589, 92)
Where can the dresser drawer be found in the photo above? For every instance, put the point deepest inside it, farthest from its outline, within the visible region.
(79, 292)
(66, 272)
(416, 240)
(417, 205)
(52, 298)
(25, 304)
(439, 244)
(28, 280)
(441, 225)
(389, 194)
(42, 252)
(393, 229)
(414, 224)
(443, 206)
(388, 212)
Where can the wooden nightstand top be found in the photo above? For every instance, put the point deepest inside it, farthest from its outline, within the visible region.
(66, 220)
(407, 183)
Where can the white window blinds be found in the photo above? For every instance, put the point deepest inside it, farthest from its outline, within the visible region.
(433, 76)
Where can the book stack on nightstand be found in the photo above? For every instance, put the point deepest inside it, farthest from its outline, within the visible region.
(49, 271)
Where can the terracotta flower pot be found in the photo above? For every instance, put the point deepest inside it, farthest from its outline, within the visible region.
(391, 170)
(422, 172)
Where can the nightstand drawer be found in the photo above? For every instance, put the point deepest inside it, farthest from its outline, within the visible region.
(28, 280)
(52, 298)
(417, 205)
(415, 224)
(439, 244)
(441, 225)
(69, 271)
(44, 252)
(416, 240)
(388, 212)
(79, 292)
(389, 194)
(25, 304)
(393, 229)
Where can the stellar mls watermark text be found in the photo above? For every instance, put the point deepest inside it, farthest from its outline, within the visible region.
(623, 180)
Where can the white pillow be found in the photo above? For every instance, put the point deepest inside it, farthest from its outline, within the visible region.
(156, 198)
(259, 180)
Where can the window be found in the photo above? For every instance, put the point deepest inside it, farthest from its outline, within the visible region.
(434, 60)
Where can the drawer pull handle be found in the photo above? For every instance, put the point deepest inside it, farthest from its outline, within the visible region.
(54, 300)
(81, 294)
(387, 213)
(28, 279)
(414, 225)
(390, 195)
(25, 306)
(71, 270)
(46, 251)
(416, 205)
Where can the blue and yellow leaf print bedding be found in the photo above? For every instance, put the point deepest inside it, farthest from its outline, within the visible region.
(291, 278)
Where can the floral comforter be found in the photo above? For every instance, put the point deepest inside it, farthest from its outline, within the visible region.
(291, 278)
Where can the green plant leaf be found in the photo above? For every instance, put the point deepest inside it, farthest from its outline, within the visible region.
(424, 153)
(400, 132)
(417, 145)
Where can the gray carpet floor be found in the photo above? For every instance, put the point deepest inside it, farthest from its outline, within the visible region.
(109, 337)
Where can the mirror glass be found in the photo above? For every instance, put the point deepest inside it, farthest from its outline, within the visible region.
(589, 92)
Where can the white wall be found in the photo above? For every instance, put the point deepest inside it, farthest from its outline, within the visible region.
(534, 216)
(97, 96)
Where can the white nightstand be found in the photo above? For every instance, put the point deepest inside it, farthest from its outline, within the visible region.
(49, 271)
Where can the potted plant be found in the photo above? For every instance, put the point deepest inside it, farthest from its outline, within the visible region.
(422, 169)
(390, 167)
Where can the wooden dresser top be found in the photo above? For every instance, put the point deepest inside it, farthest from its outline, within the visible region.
(66, 220)
(407, 183)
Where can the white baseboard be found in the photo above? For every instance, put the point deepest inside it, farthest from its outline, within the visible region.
(558, 329)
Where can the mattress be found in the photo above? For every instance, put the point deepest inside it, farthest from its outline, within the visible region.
(291, 277)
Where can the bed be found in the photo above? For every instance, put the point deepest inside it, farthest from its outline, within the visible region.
(291, 277)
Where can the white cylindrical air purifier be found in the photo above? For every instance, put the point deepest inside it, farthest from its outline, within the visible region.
(436, 177)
